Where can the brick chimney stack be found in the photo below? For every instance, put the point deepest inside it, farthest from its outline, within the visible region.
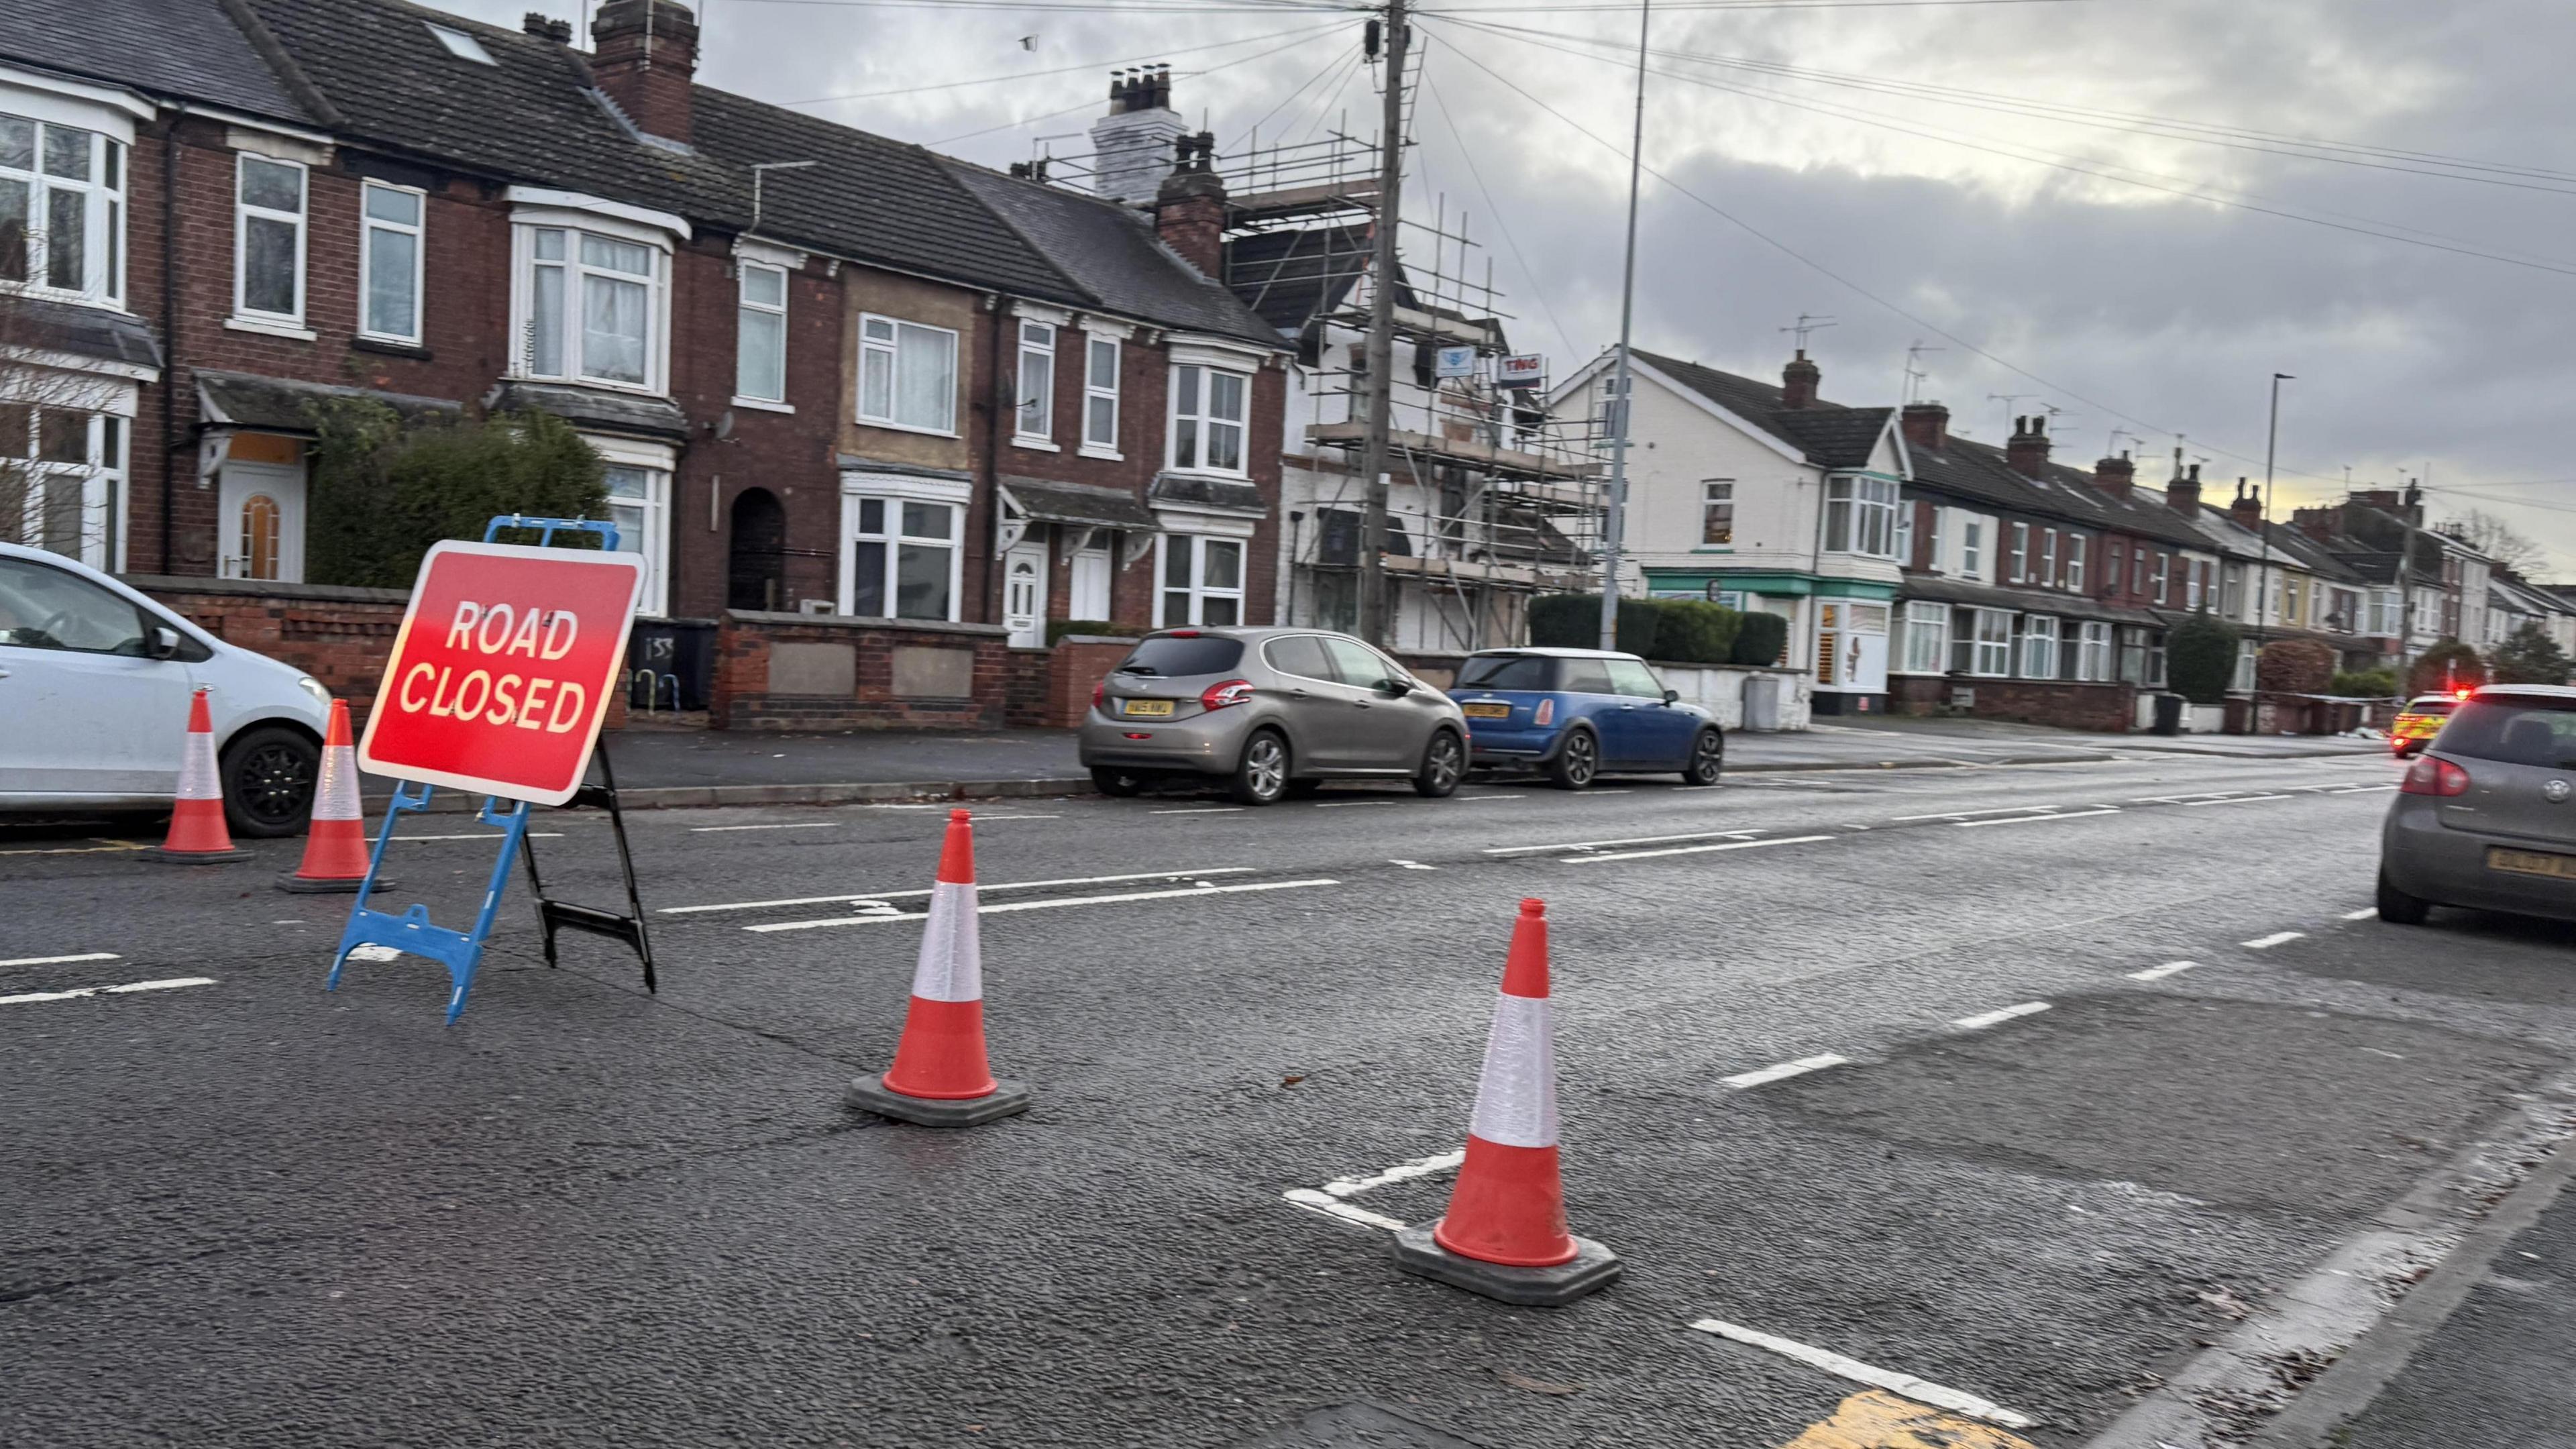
(1926, 425)
(2247, 507)
(2027, 450)
(1798, 382)
(2115, 476)
(2182, 493)
(2319, 523)
(644, 54)
(1189, 209)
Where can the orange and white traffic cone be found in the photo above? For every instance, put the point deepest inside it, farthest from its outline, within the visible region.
(1504, 1235)
(940, 1077)
(198, 834)
(335, 846)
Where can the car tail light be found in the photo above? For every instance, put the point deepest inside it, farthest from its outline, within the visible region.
(1182, 633)
(1546, 713)
(2460, 693)
(2433, 775)
(1232, 691)
(1100, 694)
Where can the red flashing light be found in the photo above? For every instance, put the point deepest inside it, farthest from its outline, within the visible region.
(1232, 691)
(2460, 694)
(2433, 775)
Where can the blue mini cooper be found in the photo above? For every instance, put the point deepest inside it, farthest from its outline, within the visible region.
(1578, 713)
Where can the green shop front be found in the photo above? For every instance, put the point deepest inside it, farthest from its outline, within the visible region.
(1837, 627)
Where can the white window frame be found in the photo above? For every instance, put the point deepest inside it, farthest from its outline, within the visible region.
(890, 539)
(1927, 637)
(1904, 532)
(2048, 558)
(1033, 413)
(891, 348)
(1972, 548)
(1939, 564)
(1097, 343)
(745, 303)
(1714, 492)
(2038, 646)
(658, 463)
(99, 476)
(2093, 653)
(1990, 653)
(369, 224)
(103, 214)
(1198, 590)
(2020, 552)
(301, 219)
(525, 226)
(2164, 577)
(1206, 418)
(1860, 515)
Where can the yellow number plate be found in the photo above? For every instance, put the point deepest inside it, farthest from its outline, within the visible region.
(1144, 708)
(1486, 709)
(2532, 862)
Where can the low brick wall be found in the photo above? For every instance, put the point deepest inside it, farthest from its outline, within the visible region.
(2065, 704)
(1078, 662)
(339, 636)
(833, 672)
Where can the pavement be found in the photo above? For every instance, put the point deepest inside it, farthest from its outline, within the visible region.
(2085, 1090)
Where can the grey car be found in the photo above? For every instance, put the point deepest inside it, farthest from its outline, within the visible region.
(1272, 712)
(2484, 818)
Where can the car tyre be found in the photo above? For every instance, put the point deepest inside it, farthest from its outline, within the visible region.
(1577, 761)
(2397, 907)
(267, 777)
(1707, 759)
(1120, 783)
(1261, 776)
(1444, 762)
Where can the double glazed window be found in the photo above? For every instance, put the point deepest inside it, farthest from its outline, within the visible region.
(62, 209)
(2038, 646)
(268, 241)
(907, 376)
(1860, 516)
(760, 341)
(1991, 653)
(905, 560)
(2077, 545)
(1972, 548)
(1717, 511)
(2048, 557)
(1100, 394)
(2020, 553)
(1927, 637)
(1036, 420)
(1202, 581)
(1208, 412)
(389, 262)
(2093, 653)
(59, 469)
(593, 308)
(639, 502)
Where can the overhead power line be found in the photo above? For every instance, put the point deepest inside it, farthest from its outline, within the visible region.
(1089, 102)
(1024, 75)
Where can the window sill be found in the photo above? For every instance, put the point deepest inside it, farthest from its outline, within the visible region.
(894, 427)
(390, 347)
(1035, 445)
(269, 329)
(763, 405)
(1714, 548)
(595, 384)
(1220, 473)
(1095, 450)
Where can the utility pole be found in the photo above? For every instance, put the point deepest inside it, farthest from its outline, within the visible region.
(1615, 522)
(2271, 444)
(1375, 454)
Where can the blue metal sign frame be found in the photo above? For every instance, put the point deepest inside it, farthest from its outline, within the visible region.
(461, 952)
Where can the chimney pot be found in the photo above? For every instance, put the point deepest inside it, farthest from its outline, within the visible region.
(2247, 509)
(1133, 144)
(1189, 207)
(2027, 450)
(2115, 476)
(2182, 494)
(646, 53)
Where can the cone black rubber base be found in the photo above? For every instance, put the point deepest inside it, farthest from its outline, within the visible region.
(302, 887)
(195, 857)
(1591, 1269)
(869, 1094)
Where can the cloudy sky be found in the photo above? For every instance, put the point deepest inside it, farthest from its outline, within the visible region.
(2034, 188)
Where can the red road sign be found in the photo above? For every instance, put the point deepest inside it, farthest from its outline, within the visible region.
(503, 670)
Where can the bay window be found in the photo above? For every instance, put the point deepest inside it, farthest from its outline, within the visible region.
(760, 334)
(2038, 646)
(591, 307)
(903, 558)
(389, 262)
(1209, 407)
(1927, 637)
(639, 503)
(1992, 654)
(907, 375)
(1860, 516)
(1100, 395)
(1035, 421)
(1202, 581)
(62, 209)
(61, 473)
(2093, 654)
(268, 241)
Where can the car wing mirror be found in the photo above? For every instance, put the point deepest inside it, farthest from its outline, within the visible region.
(1397, 687)
(162, 642)
(1672, 696)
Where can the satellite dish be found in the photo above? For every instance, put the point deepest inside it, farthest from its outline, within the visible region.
(723, 425)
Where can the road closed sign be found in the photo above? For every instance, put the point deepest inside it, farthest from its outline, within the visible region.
(502, 673)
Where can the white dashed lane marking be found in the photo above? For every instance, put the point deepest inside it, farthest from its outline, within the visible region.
(63, 960)
(799, 825)
(2266, 943)
(898, 895)
(875, 918)
(1784, 1071)
(2364, 914)
(1983, 1020)
(170, 985)
(2159, 973)
(1907, 1385)
(1596, 858)
(2033, 819)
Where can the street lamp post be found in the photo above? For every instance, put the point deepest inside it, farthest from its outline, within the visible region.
(2263, 532)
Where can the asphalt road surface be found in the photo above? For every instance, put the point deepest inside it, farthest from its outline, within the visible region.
(2040, 1084)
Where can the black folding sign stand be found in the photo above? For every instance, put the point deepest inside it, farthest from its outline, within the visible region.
(555, 915)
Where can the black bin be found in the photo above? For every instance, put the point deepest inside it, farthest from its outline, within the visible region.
(670, 664)
(2169, 714)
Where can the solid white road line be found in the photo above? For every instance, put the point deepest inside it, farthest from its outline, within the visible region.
(1202, 810)
(1632, 840)
(2235, 800)
(1203, 890)
(799, 825)
(1402, 1172)
(2028, 819)
(490, 835)
(1907, 1385)
(1413, 865)
(170, 985)
(1023, 885)
(1694, 849)
(1348, 804)
(1477, 799)
(1983, 1020)
(2159, 973)
(980, 819)
(1333, 1207)
(2266, 943)
(1784, 1071)
(63, 960)
(2364, 914)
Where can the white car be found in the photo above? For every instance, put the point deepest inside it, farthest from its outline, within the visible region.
(94, 687)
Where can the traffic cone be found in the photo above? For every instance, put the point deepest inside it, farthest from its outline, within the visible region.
(939, 1077)
(1504, 1235)
(335, 846)
(198, 835)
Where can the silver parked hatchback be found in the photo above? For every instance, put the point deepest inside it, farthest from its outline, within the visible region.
(1270, 711)
(2484, 818)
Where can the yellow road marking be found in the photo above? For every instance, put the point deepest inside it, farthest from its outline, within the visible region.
(1881, 1420)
